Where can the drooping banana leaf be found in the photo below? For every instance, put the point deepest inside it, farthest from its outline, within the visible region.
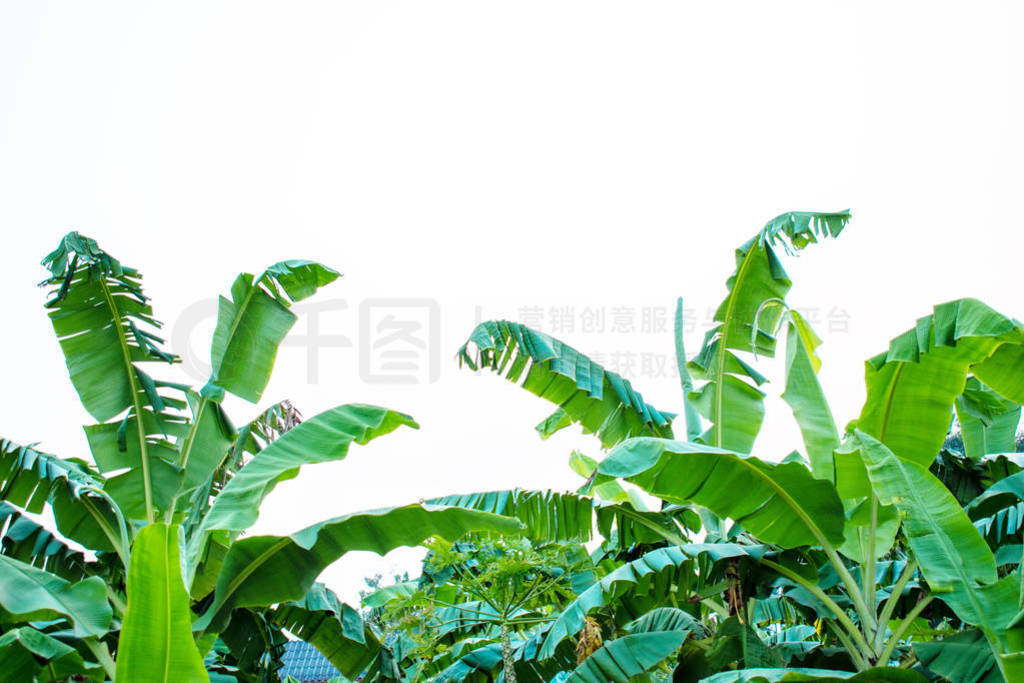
(667, 619)
(553, 423)
(911, 387)
(652, 573)
(781, 504)
(964, 656)
(264, 570)
(30, 594)
(730, 399)
(603, 402)
(30, 655)
(156, 637)
(954, 558)
(252, 324)
(323, 438)
(30, 479)
(104, 324)
(620, 660)
(988, 422)
(553, 516)
(24, 539)
(545, 515)
(256, 644)
(332, 627)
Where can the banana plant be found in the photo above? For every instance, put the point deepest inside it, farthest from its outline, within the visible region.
(171, 485)
(857, 535)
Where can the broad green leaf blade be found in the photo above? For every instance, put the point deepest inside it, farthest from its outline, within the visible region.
(264, 570)
(1001, 495)
(325, 437)
(552, 516)
(103, 322)
(730, 399)
(252, 324)
(807, 400)
(667, 619)
(781, 504)
(988, 422)
(30, 479)
(954, 558)
(156, 637)
(623, 658)
(658, 567)
(398, 591)
(964, 656)
(553, 423)
(604, 403)
(546, 515)
(912, 386)
(610, 490)
(100, 314)
(23, 539)
(30, 594)
(332, 627)
(860, 527)
(207, 443)
(30, 655)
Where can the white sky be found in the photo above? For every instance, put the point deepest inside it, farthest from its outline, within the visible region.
(500, 156)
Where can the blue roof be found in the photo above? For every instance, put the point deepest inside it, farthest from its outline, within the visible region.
(305, 663)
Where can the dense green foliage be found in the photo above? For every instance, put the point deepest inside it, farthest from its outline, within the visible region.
(889, 550)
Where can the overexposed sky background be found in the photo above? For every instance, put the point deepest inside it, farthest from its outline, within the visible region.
(500, 160)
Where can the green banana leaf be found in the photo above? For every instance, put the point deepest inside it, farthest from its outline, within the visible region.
(1005, 494)
(911, 388)
(545, 515)
(103, 321)
(651, 573)
(255, 643)
(553, 423)
(620, 660)
(781, 504)
(964, 657)
(30, 655)
(382, 596)
(30, 594)
(323, 438)
(23, 539)
(730, 399)
(332, 627)
(988, 422)
(97, 307)
(954, 558)
(667, 619)
(156, 637)
(31, 479)
(264, 570)
(553, 516)
(252, 324)
(604, 403)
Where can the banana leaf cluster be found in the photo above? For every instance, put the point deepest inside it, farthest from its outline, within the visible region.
(886, 550)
